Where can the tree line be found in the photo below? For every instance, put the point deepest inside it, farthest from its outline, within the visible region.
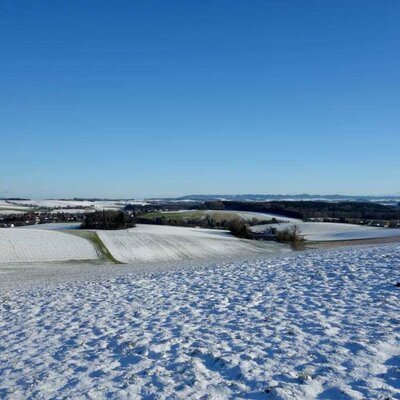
(107, 220)
(342, 211)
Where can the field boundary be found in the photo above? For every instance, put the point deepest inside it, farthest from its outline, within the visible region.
(100, 247)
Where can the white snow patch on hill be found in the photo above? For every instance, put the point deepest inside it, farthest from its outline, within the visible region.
(71, 211)
(327, 231)
(321, 325)
(246, 215)
(10, 212)
(87, 204)
(51, 226)
(35, 245)
(53, 203)
(7, 208)
(154, 243)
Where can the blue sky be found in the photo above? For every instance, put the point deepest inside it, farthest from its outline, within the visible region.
(163, 98)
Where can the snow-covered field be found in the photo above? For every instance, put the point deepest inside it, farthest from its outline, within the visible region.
(155, 243)
(246, 215)
(71, 211)
(327, 231)
(53, 203)
(7, 204)
(249, 215)
(318, 325)
(96, 204)
(10, 212)
(23, 245)
(7, 208)
(53, 226)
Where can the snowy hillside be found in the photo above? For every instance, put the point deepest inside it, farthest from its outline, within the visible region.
(321, 325)
(327, 231)
(10, 212)
(23, 245)
(7, 208)
(53, 203)
(62, 204)
(246, 215)
(154, 243)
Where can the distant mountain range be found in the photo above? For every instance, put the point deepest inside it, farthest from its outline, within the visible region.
(393, 198)
(298, 197)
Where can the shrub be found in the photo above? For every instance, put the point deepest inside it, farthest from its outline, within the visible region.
(240, 229)
(291, 236)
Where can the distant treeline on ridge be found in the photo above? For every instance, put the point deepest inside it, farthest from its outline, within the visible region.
(313, 209)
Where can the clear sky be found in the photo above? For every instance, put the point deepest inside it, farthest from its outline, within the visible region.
(163, 98)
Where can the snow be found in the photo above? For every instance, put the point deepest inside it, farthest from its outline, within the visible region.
(247, 215)
(327, 231)
(155, 243)
(23, 245)
(108, 205)
(7, 208)
(7, 204)
(53, 203)
(10, 212)
(71, 206)
(318, 325)
(70, 211)
(87, 204)
(53, 226)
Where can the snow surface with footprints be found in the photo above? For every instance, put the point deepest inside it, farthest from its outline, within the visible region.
(317, 325)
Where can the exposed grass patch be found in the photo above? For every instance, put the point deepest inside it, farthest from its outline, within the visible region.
(97, 242)
(225, 216)
(237, 224)
(190, 215)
